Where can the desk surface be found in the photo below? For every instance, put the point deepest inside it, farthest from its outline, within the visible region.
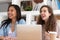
(57, 38)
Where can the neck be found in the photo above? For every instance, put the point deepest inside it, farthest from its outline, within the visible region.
(46, 21)
(13, 20)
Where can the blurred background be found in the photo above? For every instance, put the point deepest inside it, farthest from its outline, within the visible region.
(29, 9)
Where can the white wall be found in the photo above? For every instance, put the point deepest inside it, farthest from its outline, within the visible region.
(29, 13)
(4, 7)
(5, 0)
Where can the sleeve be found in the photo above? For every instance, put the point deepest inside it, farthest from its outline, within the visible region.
(1, 31)
(22, 21)
(58, 28)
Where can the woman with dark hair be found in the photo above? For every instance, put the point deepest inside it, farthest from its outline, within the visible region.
(47, 20)
(8, 29)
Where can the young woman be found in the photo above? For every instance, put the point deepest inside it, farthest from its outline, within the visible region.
(47, 20)
(8, 29)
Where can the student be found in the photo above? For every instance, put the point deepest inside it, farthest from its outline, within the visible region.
(8, 26)
(47, 20)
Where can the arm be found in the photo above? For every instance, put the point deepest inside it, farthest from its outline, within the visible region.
(1, 37)
(58, 29)
(1, 34)
(47, 36)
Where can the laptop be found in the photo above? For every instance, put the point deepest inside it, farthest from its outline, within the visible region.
(29, 32)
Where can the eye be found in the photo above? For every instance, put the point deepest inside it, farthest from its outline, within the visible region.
(11, 10)
(44, 10)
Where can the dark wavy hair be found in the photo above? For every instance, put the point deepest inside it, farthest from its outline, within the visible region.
(6, 22)
(51, 23)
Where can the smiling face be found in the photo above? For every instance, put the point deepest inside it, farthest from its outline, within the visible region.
(45, 13)
(11, 12)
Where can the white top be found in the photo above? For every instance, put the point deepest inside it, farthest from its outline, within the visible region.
(11, 34)
(38, 6)
(58, 27)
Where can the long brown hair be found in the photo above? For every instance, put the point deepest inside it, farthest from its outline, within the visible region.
(50, 25)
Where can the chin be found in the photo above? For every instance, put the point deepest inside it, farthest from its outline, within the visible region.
(43, 19)
(10, 18)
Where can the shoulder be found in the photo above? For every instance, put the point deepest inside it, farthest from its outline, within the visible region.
(22, 21)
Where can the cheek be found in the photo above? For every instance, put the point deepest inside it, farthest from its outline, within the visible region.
(47, 15)
(14, 14)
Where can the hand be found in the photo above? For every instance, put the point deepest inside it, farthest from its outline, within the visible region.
(47, 36)
(7, 38)
(10, 38)
(13, 38)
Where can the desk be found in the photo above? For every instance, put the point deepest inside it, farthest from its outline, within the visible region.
(57, 38)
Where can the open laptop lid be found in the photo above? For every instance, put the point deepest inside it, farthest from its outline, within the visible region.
(29, 32)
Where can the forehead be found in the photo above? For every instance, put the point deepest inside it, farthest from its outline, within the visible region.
(11, 7)
(44, 8)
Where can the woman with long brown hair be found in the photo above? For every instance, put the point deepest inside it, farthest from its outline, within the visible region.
(47, 20)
